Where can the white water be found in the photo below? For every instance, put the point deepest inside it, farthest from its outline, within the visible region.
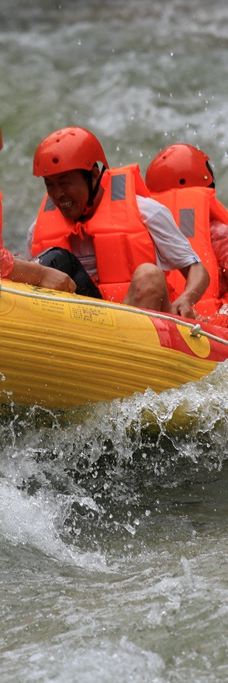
(114, 540)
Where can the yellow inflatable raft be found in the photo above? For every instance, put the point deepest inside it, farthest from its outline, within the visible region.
(61, 350)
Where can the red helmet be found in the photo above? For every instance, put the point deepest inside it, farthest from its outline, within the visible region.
(179, 165)
(67, 149)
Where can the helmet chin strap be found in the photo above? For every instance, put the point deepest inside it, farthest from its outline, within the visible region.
(92, 191)
(208, 165)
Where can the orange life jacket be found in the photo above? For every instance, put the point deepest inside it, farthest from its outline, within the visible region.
(120, 238)
(51, 228)
(121, 241)
(193, 210)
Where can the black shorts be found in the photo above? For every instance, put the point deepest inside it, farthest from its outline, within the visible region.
(63, 260)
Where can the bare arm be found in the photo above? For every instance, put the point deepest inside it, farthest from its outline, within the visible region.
(41, 276)
(197, 281)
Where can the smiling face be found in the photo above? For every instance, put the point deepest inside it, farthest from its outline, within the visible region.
(69, 192)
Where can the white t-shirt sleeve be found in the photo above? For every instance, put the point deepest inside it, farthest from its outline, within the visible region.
(173, 250)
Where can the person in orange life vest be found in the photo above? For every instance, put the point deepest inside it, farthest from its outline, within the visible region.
(179, 166)
(20, 270)
(106, 220)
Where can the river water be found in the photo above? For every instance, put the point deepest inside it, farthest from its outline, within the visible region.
(113, 525)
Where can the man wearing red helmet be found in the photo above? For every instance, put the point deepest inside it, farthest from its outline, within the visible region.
(30, 272)
(181, 166)
(102, 223)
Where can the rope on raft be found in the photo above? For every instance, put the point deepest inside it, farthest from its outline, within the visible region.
(196, 330)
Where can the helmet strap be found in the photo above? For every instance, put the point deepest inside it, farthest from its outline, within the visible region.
(94, 190)
(208, 165)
